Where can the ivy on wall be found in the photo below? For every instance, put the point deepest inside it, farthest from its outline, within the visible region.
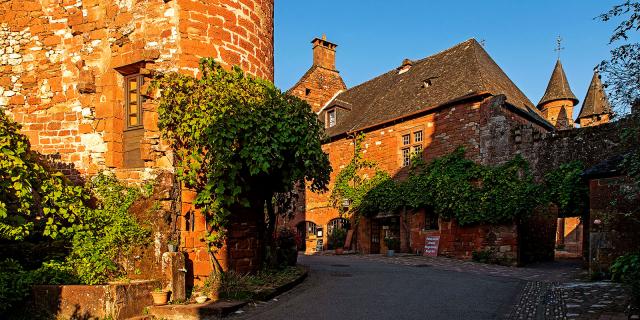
(456, 187)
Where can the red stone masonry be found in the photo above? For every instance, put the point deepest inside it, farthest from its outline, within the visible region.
(62, 68)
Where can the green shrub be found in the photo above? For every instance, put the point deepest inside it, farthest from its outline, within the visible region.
(338, 237)
(15, 282)
(391, 242)
(626, 269)
(111, 232)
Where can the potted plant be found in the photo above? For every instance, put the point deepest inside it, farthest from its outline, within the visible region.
(160, 296)
(391, 244)
(172, 245)
(337, 239)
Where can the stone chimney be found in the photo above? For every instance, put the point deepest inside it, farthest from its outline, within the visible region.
(324, 53)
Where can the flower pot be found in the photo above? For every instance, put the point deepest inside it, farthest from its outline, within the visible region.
(201, 299)
(160, 297)
(339, 251)
(172, 247)
(390, 253)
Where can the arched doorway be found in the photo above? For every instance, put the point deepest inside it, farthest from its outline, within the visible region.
(305, 230)
(334, 224)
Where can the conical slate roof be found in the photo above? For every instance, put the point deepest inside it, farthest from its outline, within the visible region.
(563, 119)
(558, 87)
(596, 101)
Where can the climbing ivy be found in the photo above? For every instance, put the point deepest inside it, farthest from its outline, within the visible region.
(32, 196)
(239, 141)
(565, 188)
(456, 187)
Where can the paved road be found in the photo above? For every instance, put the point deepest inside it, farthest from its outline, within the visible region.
(344, 287)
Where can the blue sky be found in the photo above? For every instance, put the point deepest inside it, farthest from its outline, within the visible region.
(373, 36)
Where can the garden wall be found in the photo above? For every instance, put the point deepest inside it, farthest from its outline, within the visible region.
(500, 242)
(117, 300)
(618, 233)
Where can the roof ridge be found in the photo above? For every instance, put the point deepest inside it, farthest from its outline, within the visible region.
(477, 64)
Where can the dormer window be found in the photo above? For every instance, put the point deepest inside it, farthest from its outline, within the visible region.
(331, 118)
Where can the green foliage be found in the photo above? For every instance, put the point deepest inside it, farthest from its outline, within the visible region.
(111, 231)
(338, 237)
(32, 197)
(626, 268)
(455, 187)
(352, 183)
(238, 139)
(391, 242)
(565, 188)
(622, 70)
(15, 282)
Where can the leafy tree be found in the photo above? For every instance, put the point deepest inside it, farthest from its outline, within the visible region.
(622, 71)
(239, 141)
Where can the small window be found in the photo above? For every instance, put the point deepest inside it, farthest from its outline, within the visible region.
(133, 127)
(430, 219)
(331, 115)
(406, 139)
(417, 136)
(417, 150)
(133, 101)
(406, 157)
(307, 91)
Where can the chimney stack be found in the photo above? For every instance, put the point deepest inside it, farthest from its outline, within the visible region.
(324, 53)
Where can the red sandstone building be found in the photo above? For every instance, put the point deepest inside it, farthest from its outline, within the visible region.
(74, 75)
(429, 107)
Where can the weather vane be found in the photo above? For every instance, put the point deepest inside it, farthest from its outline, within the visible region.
(559, 46)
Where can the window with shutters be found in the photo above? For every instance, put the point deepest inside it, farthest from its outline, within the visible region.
(133, 128)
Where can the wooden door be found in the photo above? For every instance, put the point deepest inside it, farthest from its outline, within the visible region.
(375, 237)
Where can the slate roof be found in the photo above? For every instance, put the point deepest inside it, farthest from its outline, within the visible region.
(558, 87)
(596, 101)
(607, 168)
(462, 70)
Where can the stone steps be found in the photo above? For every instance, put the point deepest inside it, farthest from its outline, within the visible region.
(198, 311)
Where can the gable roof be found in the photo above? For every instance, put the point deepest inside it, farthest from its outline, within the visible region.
(596, 101)
(558, 87)
(461, 71)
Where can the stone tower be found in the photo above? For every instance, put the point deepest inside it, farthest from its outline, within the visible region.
(73, 73)
(558, 100)
(322, 81)
(595, 109)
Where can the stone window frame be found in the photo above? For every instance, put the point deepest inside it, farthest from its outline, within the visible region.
(135, 132)
(416, 134)
(409, 145)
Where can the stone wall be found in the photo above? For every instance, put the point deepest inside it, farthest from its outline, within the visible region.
(115, 301)
(617, 234)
